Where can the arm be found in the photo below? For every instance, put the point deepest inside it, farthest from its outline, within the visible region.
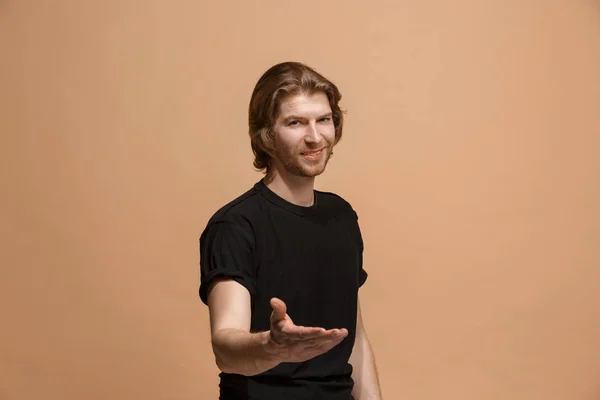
(238, 351)
(366, 381)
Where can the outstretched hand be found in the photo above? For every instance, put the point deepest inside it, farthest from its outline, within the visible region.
(293, 343)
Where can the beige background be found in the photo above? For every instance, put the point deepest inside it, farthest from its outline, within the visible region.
(471, 153)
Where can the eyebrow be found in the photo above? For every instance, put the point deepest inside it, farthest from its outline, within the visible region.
(294, 117)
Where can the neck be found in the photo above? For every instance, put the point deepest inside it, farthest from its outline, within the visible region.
(295, 189)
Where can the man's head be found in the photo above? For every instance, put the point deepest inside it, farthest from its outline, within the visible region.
(294, 120)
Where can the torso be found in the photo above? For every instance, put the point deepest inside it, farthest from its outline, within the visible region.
(311, 258)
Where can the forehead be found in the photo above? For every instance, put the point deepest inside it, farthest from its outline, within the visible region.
(306, 104)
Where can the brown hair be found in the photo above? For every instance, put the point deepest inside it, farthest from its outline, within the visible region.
(278, 81)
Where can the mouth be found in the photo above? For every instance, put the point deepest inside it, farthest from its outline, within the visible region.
(313, 155)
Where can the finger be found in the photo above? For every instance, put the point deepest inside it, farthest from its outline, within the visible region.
(300, 333)
(334, 336)
(323, 344)
(279, 309)
(303, 333)
(321, 341)
(318, 349)
(335, 333)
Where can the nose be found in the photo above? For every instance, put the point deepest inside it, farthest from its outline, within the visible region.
(312, 134)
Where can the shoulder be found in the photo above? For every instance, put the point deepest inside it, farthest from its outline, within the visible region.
(335, 201)
(236, 213)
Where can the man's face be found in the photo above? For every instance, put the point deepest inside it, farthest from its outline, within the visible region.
(304, 134)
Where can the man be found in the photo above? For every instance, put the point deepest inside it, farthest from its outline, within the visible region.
(281, 265)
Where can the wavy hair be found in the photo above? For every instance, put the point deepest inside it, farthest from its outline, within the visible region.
(287, 78)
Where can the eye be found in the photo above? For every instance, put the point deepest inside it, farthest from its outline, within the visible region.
(326, 119)
(293, 123)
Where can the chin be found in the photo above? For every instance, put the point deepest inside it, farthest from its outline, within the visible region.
(306, 170)
(312, 172)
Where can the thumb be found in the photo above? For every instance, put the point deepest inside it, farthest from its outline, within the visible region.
(279, 309)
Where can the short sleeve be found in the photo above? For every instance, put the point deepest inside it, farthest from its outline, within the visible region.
(362, 274)
(226, 251)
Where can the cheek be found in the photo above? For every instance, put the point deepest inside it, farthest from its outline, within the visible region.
(288, 140)
(329, 133)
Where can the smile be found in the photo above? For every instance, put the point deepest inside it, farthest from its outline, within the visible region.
(312, 155)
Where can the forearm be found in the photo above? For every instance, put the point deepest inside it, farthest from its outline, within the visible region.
(366, 380)
(244, 353)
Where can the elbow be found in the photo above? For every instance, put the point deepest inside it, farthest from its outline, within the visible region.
(220, 359)
(229, 358)
(226, 367)
(222, 366)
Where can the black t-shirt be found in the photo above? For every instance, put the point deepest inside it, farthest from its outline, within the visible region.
(309, 257)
